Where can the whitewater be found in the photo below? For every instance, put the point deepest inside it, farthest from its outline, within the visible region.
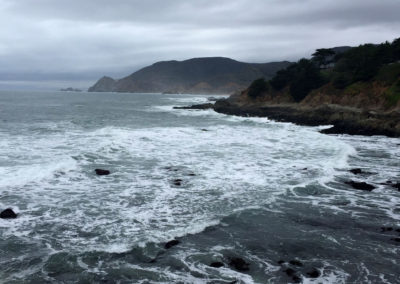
(267, 192)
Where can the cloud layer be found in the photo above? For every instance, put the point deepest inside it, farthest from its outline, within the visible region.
(82, 40)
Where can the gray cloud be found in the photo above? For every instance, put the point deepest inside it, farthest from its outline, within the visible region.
(82, 40)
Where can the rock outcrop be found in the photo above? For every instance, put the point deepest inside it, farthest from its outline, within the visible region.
(8, 214)
(344, 119)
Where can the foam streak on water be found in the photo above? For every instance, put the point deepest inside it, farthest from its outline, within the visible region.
(227, 165)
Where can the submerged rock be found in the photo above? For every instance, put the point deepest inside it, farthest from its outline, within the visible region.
(8, 214)
(280, 262)
(314, 273)
(396, 185)
(177, 182)
(239, 264)
(199, 106)
(293, 274)
(392, 184)
(172, 243)
(290, 272)
(296, 263)
(386, 229)
(217, 264)
(360, 185)
(356, 171)
(101, 172)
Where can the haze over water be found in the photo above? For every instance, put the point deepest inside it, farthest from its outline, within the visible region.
(252, 188)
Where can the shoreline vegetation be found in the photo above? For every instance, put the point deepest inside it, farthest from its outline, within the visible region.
(357, 90)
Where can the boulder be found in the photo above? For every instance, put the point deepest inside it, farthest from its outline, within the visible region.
(295, 262)
(239, 264)
(101, 172)
(217, 264)
(356, 171)
(386, 229)
(314, 273)
(360, 185)
(293, 274)
(8, 214)
(172, 243)
(177, 182)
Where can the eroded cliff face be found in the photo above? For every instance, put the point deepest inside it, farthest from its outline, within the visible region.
(363, 109)
(364, 95)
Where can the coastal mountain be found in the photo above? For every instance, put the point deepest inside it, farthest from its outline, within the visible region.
(357, 90)
(210, 75)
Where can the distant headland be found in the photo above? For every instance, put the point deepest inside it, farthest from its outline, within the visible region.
(209, 75)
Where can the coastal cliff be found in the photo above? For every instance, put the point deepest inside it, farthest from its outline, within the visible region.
(358, 94)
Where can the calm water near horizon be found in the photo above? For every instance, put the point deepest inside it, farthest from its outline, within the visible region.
(251, 188)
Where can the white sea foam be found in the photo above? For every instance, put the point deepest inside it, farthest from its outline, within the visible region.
(239, 163)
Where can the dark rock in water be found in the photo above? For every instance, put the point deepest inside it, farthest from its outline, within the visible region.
(386, 229)
(396, 240)
(296, 279)
(398, 230)
(153, 260)
(356, 171)
(390, 183)
(280, 262)
(177, 182)
(172, 243)
(296, 263)
(239, 264)
(360, 185)
(204, 130)
(101, 172)
(314, 273)
(192, 175)
(216, 264)
(293, 274)
(8, 214)
(200, 106)
(290, 272)
(305, 169)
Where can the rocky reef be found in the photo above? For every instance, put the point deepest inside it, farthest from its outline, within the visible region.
(344, 119)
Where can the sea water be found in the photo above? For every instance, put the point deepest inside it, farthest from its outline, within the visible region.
(252, 188)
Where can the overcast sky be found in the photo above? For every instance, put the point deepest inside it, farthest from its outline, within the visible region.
(62, 43)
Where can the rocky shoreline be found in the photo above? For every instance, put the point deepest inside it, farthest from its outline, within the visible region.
(344, 119)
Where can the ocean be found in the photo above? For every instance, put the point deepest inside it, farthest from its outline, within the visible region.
(268, 193)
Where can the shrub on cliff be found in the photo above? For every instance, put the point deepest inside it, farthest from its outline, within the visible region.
(257, 88)
(341, 80)
(302, 77)
(308, 78)
(362, 63)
